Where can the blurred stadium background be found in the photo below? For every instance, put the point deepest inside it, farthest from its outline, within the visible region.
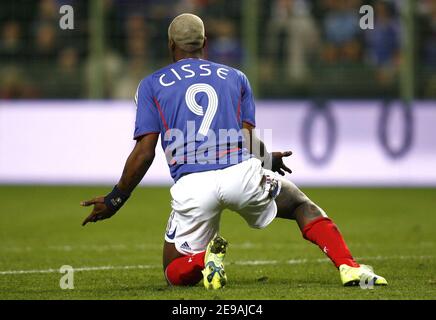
(357, 107)
(289, 48)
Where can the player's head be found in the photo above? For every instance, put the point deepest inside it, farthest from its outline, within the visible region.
(186, 36)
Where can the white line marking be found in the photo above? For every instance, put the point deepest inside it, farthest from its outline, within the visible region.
(240, 263)
(155, 246)
(303, 261)
(255, 262)
(100, 268)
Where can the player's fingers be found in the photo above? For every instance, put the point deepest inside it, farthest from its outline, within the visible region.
(93, 217)
(87, 219)
(91, 202)
(87, 203)
(286, 153)
(284, 167)
(281, 172)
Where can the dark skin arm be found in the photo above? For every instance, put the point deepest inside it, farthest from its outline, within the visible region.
(258, 149)
(137, 165)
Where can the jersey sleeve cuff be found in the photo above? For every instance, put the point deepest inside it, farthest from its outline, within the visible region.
(252, 123)
(139, 135)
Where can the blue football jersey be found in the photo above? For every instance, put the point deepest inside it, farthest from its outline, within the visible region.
(198, 107)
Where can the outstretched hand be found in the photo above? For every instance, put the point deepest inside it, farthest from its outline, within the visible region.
(278, 164)
(99, 212)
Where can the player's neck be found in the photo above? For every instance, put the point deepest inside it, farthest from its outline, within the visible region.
(186, 55)
(185, 58)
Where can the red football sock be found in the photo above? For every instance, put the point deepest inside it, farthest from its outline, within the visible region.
(326, 235)
(186, 270)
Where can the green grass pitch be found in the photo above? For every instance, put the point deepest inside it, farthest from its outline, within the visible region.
(392, 229)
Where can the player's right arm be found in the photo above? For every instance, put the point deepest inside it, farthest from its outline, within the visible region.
(137, 165)
(138, 162)
(147, 129)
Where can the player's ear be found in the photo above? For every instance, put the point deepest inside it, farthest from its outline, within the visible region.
(205, 42)
(171, 45)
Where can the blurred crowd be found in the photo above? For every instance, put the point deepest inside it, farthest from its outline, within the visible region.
(307, 48)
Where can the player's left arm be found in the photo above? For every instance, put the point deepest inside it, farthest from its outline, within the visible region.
(256, 147)
(137, 165)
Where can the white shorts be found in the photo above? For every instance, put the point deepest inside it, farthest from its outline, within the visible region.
(199, 198)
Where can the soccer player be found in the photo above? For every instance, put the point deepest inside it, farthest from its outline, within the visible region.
(204, 113)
